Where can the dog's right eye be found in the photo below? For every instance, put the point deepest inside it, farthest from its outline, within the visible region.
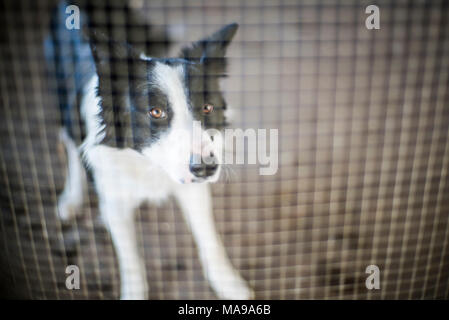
(208, 108)
(156, 113)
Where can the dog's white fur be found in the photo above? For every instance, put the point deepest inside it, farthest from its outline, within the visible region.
(124, 178)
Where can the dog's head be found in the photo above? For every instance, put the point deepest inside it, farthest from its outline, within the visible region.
(169, 110)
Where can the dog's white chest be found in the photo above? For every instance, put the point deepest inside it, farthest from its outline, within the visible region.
(127, 175)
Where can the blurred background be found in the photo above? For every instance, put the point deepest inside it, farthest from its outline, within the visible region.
(363, 120)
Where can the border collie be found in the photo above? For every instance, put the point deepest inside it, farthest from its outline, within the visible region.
(138, 114)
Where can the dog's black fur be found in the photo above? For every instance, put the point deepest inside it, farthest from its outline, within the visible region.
(127, 92)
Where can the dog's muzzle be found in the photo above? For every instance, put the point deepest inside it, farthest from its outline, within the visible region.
(203, 169)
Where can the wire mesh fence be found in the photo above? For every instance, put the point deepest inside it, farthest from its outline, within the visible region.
(363, 125)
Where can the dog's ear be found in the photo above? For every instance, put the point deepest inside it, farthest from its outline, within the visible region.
(107, 52)
(211, 51)
(118, 68)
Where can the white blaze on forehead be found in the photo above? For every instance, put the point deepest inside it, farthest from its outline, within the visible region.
(170, 80)
(173, 150)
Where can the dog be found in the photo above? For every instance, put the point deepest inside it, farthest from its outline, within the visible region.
(138, 114)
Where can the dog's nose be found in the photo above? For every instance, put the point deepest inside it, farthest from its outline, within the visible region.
(203, 170)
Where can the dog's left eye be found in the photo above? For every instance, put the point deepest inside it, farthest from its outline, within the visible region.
(157, 113)
(208, 108)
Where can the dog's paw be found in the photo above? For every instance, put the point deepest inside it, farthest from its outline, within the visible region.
(235, 288)
(138, 291)
(66, 210)
(235, 292)
(132, 296)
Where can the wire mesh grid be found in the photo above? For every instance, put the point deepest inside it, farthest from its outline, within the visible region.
(363, 156)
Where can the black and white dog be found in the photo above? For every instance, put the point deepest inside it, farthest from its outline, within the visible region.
(139, 114)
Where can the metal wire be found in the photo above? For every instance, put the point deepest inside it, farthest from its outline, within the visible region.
(363, 123)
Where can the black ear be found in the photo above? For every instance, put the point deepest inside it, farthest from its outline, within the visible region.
(107, 52)
(118, 69)
(211, 51)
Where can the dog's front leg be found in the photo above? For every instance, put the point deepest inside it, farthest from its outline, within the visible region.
(119, 219)
(195, 201)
